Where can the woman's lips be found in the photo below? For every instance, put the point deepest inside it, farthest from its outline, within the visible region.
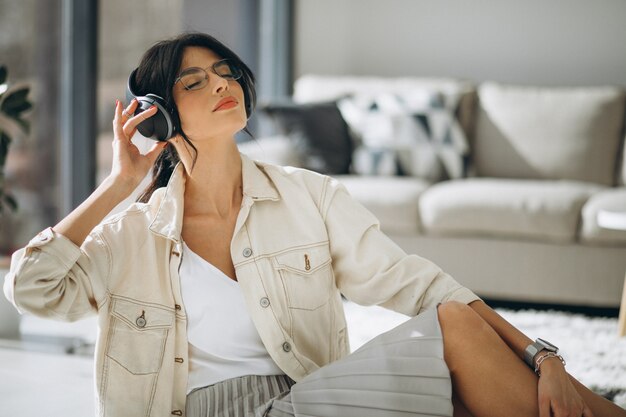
(225, 103)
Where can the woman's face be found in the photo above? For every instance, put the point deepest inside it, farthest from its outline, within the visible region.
(199, 115)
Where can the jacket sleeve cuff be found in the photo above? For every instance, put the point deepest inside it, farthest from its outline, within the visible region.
(463, 295)
(56, 245)
(9, 279)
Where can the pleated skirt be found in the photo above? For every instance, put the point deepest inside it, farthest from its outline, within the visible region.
(398, 373)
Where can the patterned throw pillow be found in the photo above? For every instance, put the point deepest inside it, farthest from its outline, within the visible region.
(416, 133)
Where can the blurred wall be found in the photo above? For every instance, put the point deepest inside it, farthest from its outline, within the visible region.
(128, 28)
(558, 42)
(234, 22)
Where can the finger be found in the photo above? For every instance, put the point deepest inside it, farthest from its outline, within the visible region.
(130, 109)
(544, 408)
(132, 105)
(133, 122)
(117, 120)
(131, 134)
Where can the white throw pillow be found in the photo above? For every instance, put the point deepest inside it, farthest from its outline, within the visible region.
(549, 133)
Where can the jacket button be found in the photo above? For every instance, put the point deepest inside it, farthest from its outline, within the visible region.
(141, 320)
(286, 347)
(175, 253)
(177, 412)
(179, 360)
(247, 252)
(177, 306)
(265, 302)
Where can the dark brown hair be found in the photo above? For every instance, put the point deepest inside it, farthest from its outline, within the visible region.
(156, 73)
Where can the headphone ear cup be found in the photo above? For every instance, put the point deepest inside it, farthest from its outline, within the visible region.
(159, 126)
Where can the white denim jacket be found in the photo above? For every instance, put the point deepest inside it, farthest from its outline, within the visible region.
(299, 242)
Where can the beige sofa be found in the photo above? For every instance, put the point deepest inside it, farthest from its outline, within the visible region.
(522, 224)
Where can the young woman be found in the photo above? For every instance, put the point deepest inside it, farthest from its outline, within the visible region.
(219, 292)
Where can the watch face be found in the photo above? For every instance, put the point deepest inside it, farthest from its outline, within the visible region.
(547, 345)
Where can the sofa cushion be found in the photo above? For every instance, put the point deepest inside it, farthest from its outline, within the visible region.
(611, 200)
(319, 134)
(393, 200)
(549, 133)
(543, 210)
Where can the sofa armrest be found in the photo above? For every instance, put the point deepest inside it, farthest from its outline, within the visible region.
(610, 199)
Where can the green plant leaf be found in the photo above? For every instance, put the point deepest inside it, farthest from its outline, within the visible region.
(24, 124)
(13, 103)
(16, 102)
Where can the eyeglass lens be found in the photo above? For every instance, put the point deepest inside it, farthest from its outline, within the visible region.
(196, 78)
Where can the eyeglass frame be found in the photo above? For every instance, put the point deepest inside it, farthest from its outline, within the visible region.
(212, 67)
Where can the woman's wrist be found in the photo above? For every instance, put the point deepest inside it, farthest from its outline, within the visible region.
(122, 184)
(548, 362)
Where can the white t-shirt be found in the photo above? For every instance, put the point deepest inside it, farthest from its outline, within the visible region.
(223, 341)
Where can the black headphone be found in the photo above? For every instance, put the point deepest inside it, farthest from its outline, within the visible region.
(159, 127)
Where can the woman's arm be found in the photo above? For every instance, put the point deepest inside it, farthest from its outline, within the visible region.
(371, 269)
(80, 222)
(515, 339)
(62, 272)
(128, 170)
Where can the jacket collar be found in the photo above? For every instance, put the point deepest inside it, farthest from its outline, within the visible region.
(168, 221)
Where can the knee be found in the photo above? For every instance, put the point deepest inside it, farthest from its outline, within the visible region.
(453, 311)
(458, 318)
(461, 328)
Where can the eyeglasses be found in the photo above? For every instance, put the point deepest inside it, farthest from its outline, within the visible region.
(195, 78)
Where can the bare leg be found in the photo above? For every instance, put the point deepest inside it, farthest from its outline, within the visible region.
(487, 377)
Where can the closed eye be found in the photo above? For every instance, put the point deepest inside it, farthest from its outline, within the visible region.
(192, 86)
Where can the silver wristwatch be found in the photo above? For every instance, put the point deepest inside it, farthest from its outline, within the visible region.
(534, 348)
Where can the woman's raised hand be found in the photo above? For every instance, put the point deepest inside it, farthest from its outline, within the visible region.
(129, 165)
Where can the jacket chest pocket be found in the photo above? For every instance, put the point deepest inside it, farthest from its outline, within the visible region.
(307, 276)
(138, 335)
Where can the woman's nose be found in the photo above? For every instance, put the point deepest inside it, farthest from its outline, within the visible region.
(219, 84)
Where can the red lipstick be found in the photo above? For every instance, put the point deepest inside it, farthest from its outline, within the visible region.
(225, 103)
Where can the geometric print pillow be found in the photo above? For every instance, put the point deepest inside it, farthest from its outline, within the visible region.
(416, 133)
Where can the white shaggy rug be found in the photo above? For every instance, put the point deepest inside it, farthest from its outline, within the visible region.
(590, 346)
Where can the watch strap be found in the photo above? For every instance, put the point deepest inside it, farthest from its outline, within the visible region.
(534, 348)
(530, 353)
